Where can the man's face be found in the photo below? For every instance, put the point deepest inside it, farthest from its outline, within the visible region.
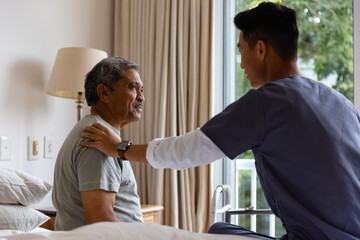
(251, 62)
(126, 101)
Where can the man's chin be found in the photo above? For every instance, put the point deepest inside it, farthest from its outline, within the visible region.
(255, 84)
(131, 120)
(136, 118)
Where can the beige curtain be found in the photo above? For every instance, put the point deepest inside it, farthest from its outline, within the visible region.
(171, 41)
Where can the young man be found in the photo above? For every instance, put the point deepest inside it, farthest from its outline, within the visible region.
(304, 135)
(90, 187)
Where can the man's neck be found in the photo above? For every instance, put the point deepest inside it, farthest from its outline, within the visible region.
(95, 111)
(280, 69)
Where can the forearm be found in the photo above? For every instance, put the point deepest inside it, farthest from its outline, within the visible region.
(98, 206)
(102, 217)
(136, 153)
(188, 150)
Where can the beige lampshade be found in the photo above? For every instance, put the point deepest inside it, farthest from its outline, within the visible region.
(69, 70)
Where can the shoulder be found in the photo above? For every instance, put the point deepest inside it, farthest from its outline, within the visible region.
(250, 98)
(287, 88)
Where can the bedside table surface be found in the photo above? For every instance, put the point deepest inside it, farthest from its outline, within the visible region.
(49, 211)
(151, 208)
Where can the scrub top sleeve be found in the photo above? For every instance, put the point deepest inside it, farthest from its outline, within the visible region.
(239, 127)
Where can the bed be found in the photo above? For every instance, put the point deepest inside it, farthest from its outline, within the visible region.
(112, 231)
(19, 221)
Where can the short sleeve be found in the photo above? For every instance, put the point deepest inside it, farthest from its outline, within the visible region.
(97, 171)
(239, 127)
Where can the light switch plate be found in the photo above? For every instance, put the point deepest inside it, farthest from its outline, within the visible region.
(48, 147)
(33, 148)
(5, 148)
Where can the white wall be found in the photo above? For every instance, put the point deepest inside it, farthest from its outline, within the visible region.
(31, 33)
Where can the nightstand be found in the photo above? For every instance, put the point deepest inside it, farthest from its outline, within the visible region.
(150, 215)
(151, 212)
(50, 212)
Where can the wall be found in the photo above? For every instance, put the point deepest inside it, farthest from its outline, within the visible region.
(31, 33)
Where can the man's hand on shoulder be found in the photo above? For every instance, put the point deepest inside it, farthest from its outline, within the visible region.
(103, 139)
(106, 141)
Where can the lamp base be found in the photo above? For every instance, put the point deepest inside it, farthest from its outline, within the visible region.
(79, 106)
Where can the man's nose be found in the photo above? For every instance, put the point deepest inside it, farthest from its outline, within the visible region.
(140, 97)
(241, 65)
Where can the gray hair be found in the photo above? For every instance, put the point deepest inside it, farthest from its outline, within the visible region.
(108, 71)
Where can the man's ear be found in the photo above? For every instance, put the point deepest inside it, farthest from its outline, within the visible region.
(262, 49)
(103, 92)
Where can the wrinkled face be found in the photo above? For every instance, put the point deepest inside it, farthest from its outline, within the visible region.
(126, 101)
(251, 62)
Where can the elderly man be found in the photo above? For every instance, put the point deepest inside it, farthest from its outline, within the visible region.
(90, 187)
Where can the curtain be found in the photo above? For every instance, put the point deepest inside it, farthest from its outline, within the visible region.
(171, 41)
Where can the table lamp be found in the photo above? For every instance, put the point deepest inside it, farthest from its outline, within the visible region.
(68, 74)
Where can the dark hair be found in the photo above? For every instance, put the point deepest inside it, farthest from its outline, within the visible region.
(272, 23)
(108, 71)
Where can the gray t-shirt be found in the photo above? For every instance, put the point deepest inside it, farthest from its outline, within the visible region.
(79, 168)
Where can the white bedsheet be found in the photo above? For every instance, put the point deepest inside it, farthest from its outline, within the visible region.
(9, 232)
(118, 231)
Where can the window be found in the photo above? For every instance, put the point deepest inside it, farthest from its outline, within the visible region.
(326, 54)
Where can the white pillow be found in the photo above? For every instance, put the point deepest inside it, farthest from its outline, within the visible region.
(21, 218)
(21, 188)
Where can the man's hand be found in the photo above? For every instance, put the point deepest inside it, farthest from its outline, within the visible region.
(103, 139)
(107, 141)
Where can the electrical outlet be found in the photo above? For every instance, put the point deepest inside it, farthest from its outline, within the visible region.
(48, 147)
(33, 148)
(5, 148)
